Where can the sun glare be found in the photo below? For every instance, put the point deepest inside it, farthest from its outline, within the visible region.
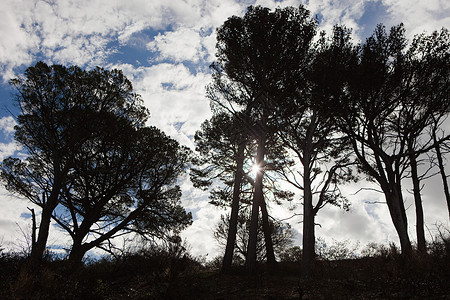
(255, 169)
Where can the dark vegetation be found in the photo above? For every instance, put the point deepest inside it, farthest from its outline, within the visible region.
(169, 272)
(290, 104)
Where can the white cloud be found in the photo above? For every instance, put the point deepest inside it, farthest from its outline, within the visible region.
(11, 222)
(7, 125)
(77, 32)
(419, 16)
(8, 147)
(332, 13)
(181, 45)
(174, 96)
(200, 235)
(15, 41)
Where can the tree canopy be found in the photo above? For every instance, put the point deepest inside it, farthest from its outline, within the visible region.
(92, 165)
(336, 106)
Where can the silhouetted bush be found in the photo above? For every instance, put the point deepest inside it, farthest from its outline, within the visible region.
(10, 263)
(170, 272)
(293, 254)
(337, 250)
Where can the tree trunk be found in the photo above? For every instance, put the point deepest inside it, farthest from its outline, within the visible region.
(270, 254)
(33, 230)
(38, 250)
(257, 198)
(443, 175)
(232, 230)
(396, 207)
(76, 255)
(421, 243)
(309, 241)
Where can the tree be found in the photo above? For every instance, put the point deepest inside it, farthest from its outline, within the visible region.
(73, 123)
(385, 106)
(366, 110)
(281, 236)
(430, 55)
(440, 150)
(255, 54)
(424, 99)
(121, 185)
(51, 128)
(224, 166)
(221, 144)
(307, 127)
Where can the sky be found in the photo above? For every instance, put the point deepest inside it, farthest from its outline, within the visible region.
(165, 49)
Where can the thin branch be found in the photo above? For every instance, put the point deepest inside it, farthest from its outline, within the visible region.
(375, 202)
(366, 189)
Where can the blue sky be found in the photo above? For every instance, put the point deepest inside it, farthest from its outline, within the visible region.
(165, 48)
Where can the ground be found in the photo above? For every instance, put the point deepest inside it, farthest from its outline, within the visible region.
(166, 277)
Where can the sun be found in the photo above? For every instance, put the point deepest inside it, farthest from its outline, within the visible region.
(255, 169)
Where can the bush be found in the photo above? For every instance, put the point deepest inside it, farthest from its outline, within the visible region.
(337, 250)
(293, 254)
(10, 264)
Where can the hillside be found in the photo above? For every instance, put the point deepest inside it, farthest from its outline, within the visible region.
(164, 276)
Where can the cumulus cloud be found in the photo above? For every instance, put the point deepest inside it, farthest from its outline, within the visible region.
(7, 147)
(175, 97)
(11, 223)
(200, 235)
(16, 224)
(7, 125)
(181, 45)
(419, 16)
(79, 32)
(15, 42)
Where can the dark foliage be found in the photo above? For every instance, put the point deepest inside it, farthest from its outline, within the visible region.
(92, 165)
(282, 236)
(171, 273)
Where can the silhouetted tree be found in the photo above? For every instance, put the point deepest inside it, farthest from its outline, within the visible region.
(431, 76)
(224, 167)
(221, 144)
(257, 54)
(308, 128)
(73, 123)
(281, 236)
(424, 99)
(52, 128)
(440, 150)
(366, 114)
(385, 108)
(123, 183)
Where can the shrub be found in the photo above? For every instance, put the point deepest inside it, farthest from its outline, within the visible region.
(337, 250)
(293, 254)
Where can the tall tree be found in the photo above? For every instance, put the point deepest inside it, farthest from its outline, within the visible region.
(224, 167)
(308, 128)
(424, 98)
(52, 128)
(385, 106)
(69, 120)
(221, 144)
(256, 54)
(440, 150)
(430, 77)
(367, 111)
